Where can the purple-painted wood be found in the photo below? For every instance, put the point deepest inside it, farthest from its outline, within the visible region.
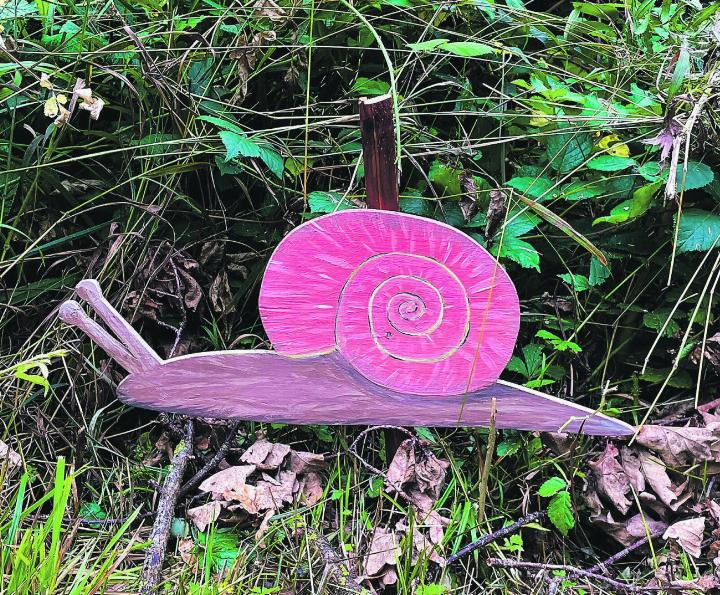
(377, 317)
(264, 386)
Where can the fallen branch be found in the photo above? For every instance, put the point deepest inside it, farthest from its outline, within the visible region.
(155, 554)
(570, 571)
(213, 462)
(494, 536)
(603, 565)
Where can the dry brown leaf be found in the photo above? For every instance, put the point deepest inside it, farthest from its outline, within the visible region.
(633, 468)
(8, 454)
(305, 462)
(610, 478)
(628, 531)
(384, 551)
(688, 534)
(416, 471)
(266, 455)
(658, 479)
(311, 488)
(270, 9)
(204, 515)
(220, 294)
(229, 482)
(683, 446)
(186, 549)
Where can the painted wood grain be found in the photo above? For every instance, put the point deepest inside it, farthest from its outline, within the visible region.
(414, 305)
(263, 386)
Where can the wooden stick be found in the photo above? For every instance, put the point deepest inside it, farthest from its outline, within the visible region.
(155, 554)
(377, 130)
(490, 537)
(571, 571)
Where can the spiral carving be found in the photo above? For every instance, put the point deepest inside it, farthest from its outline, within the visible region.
(412, 305)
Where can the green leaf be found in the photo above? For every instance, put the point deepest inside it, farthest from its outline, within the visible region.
(328, 202)
(581, 190)
(698, 175)
(651, 171)
(17, 9)
(551, 487)
(682, 67)
(599, 272)
(577, 282)
(518, 251)
(568, 150)
(656, 320)
(610, 163)
(558, 343)
(446, 178)
(633, 208)
(536, 188)
(519, 222)
(699, 230)
(432, 589)
(427, 46)
(273, 160)
(238, 145)
(468, 49)
(370, 87)
(560, 512)
(415, 205)
(224, 124)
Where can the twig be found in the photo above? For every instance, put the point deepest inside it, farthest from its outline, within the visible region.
(603, 565)
(570, 571)
(155, 555)
(195, 480)
(352, 449)
(624, 552)
(490, 537)
(488, 461)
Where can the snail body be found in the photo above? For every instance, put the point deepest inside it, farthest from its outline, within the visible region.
(375, 317)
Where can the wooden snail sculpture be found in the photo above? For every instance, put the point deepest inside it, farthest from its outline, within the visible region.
(376, 317)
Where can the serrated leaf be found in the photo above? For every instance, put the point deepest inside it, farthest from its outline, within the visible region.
(560, 512)
(580, 189)
(446, 178)
(568, 150)
(656, 320)
(414, 205)
(698, 175)
(222, 123)
(633, 208)
(328, 202)
(427, 46)
(519, 251)
(577, 282)
(17, 9)
(238, 145)
(699, 230)
(610, 163)
(537, 188)
(599, 272)
(273, 160)
(370, 87)
(551, 487)
(468, 49)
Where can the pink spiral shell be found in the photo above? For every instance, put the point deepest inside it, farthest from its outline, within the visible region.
(413, 305)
